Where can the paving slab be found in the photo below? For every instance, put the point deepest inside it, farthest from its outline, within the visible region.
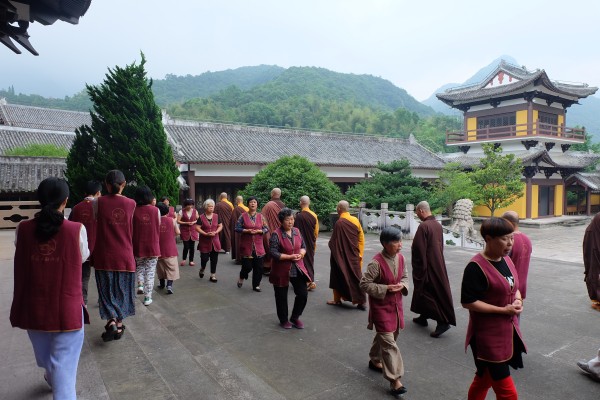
(215, 341)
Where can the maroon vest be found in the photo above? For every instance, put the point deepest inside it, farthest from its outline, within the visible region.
(188, 232)
(520, 256)
(171, 213)
(84, 213)
(47, 280)
(494, 332)
(280, 269)
(387, 313)
(247, 240)
(207, 243)
(114, 248)
(146, 230)
(168, 247)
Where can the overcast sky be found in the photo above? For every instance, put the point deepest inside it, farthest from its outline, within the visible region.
(418, 45)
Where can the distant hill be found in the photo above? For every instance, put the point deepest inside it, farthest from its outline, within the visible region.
(177, 89)
(586, 114)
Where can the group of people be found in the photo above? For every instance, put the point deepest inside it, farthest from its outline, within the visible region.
(127, 241)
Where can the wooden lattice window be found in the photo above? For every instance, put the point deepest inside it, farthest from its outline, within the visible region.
(493, 121)
(547, 118)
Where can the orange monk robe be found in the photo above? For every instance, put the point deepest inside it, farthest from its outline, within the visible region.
(224, 210)
(270, 212)
(308, 224)
(347, 245)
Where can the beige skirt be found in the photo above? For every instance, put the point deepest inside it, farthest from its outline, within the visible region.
(167, 268)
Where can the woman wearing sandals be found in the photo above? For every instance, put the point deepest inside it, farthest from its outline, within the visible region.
(113, 256)
(47, 297)
(186, 218)
(288, 249)
(209, 245)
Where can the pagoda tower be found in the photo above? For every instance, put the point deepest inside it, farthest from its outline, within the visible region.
(524, 112)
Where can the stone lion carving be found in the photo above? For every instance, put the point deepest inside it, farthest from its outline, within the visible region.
(461, 217)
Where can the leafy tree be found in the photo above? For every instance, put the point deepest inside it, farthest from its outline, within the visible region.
(38, 150)
(296, 177)
(453, 184)
(126, 134)
(497, 178)
(390, 183)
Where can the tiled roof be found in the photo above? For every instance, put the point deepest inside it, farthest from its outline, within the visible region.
(525, 78)
(236, 144)
(569, 159)
(11, 138)
(589, 179)
(42, 118)
(24, 174)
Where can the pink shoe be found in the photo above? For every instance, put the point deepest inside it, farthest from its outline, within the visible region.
(181, 264)
(192, 263)
(296, 323)
(286, 325)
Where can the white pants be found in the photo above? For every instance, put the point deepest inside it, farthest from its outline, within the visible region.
(594, 365)
(58, 353)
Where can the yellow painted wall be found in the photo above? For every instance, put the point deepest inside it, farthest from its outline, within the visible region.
(535, 118)
(519, 206)
(471, 128)
(535, 200)
(561, 121)
(595, 200)
(558, 200)
(521, 123)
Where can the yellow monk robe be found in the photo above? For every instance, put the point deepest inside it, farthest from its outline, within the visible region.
(358, 296)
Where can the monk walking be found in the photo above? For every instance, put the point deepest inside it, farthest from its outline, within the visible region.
(432, 297)
(308, 224)
(224, 209)
(237, 212)
(270, 212)
(347, 245)
(520, 254)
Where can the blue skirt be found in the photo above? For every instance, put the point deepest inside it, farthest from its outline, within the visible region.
(116, 294)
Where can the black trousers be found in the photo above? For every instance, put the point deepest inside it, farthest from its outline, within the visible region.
(254, 264)
(281, 298)
(85, 280)
(188, 245)
(213, 256)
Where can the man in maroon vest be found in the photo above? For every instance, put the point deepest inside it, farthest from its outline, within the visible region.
(270, 211)
(83, 212)
(385, 282)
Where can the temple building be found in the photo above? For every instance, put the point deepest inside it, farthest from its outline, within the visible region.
(524, 113)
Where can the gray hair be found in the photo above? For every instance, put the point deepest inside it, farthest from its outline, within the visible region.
(208, 202)
(423, 205)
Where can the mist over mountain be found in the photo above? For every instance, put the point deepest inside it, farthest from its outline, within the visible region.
(586, 114)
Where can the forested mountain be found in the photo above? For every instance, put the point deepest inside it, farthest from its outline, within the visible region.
(77, 102)
(177, 89)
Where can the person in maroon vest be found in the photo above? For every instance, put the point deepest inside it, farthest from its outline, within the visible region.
(187, 218)
(288, 249)
(385, 282)
(146, 244)
(47, 297)
(490, 291)
(520, 253)
(113, 256)
(270, 211)
(171, 213)
(208, 227)
(167, 267)
(83, 212)
(252, 227)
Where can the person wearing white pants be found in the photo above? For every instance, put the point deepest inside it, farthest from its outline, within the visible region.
(592, 367)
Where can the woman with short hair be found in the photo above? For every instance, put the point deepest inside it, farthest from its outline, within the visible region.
(209, 245)
(187, 218)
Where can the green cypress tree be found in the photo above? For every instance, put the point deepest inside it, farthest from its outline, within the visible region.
(126, 134)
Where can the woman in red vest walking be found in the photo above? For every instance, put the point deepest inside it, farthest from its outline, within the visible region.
(186, 218)
(167, 267)
(209, 245)
(287, 251)
(47, 297)
(146, 245)
(113, 256)
(490, 293)
(251, 227)
(385, 282)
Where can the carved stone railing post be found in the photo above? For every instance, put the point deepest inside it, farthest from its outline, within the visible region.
(411, 224)
(383, 216)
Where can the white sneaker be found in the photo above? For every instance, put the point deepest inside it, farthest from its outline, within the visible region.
(140, 289)
(147, 301)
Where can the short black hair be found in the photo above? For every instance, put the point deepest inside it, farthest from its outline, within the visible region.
(163, 198)
(163, 208)
(188, 202)
(252, 198)
(143, 196)
(496, 227)
(114, 179)
(284, 213)
(390, 234)
(92, 187)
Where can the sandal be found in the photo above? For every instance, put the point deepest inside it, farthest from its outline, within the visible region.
(213, 279)
(334, 303)
(111, 332)
(201, 273)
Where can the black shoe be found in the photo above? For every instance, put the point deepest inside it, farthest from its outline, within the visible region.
(420, 321)
(239, 284)
(201, 273)
(374, 367)
(398, 392)
(162, 284)
(439, 329)
(361, 307)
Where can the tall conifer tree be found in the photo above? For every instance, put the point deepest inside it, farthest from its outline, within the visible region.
(126, 134)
